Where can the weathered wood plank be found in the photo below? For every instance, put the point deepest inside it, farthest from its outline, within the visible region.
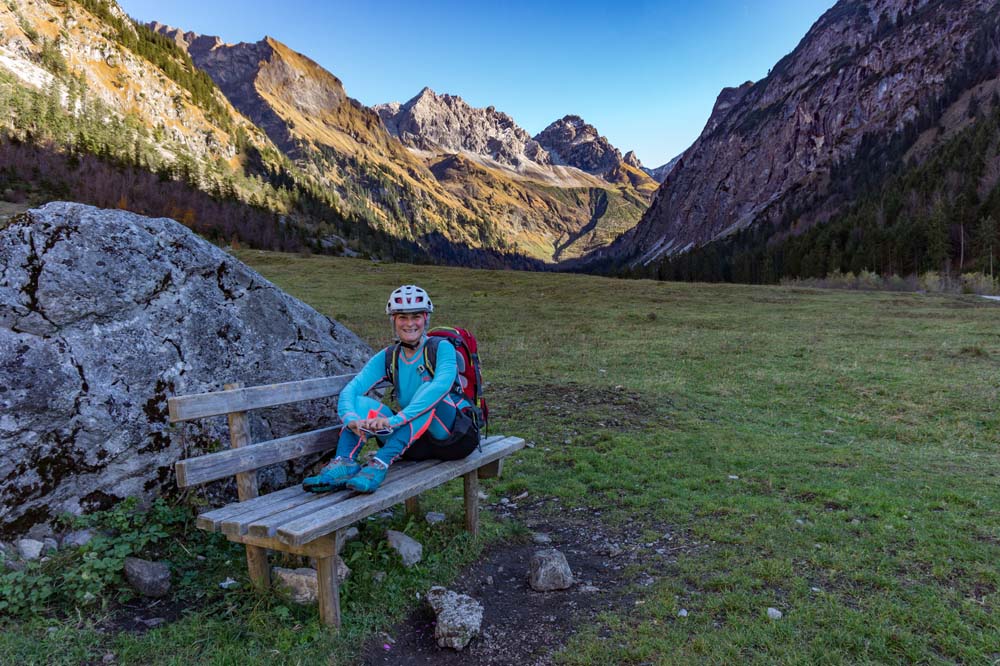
(200, 405)
(470, 482)
(238, 524)
(323, 547)
(259, 508)
(329, 590)
(221, 464)
(211, 521)
(265, 521)
(269, 525)
(246, 488)
(412, 506)
(343, 513)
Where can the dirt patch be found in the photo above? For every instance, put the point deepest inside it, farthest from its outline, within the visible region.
(141, 614)
(585, 407)
(520, 626)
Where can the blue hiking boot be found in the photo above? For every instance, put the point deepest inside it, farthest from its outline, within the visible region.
(369, 478)
(333, 476)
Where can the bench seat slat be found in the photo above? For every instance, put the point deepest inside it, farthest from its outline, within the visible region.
(265, 514)
(200, 405)
(212, 520)
(236, 518)
(267, 526)
(222, 464)
(345, 512)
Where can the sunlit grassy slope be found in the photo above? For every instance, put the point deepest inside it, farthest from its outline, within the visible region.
(862, 428)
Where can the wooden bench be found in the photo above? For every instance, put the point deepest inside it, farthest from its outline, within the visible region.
(292, 520)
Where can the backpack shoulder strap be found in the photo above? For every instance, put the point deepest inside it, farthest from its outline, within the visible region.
(430, 353)
(391, 362)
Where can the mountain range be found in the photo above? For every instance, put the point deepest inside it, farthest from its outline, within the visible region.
(874, 90)
(869, 147)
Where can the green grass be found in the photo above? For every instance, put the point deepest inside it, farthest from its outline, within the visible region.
(862, 428)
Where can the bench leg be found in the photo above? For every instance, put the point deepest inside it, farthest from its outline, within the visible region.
(471, 481)
(257, 566)
(329, 587)
(413, 506)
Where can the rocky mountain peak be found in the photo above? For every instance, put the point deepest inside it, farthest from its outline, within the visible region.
(447, 123)
(632, 159)
(573, 142)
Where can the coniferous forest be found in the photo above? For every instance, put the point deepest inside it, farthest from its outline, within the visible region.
(937, 216)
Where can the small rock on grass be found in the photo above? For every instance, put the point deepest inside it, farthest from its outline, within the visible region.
(77, 539)
(541, 538)
(302, 584)
(774, 613)
(229, 584)
(549, 571)
(350, 534)
(434, 517)
(29, 549)
(682, 612)
(409, 549)
(150, 579)
(459, 617)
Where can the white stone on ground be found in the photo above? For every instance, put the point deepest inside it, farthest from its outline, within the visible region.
(409, 549)
(459, 617)
(541, 538)
(774, 613)
(549, 571)
(682, 612)
(435, 517)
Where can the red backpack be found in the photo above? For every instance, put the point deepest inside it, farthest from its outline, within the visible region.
(468, 381)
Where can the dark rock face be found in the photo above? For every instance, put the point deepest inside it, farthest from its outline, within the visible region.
(573, 142)
(866, 69)
(103, 314)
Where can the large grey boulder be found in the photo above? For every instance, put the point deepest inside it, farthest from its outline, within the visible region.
(103, 314)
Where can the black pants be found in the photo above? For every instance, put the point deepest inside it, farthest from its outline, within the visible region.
(463, 440)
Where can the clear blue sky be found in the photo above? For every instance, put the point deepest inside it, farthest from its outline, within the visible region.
(646, 74)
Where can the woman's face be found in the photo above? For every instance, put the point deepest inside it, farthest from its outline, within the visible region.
(410, 326)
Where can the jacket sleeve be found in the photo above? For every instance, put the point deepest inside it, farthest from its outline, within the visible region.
(364, 381)
(432, 392)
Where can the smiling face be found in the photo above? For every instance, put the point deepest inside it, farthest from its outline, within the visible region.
(409, 326)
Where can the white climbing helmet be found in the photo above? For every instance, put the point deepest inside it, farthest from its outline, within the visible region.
(408, 298)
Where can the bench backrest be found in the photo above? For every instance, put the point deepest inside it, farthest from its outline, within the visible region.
(245, 457)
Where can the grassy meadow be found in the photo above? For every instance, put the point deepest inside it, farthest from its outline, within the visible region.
(833, 455)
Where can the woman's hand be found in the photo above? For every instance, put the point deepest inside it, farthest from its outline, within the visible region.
(378, 423)
(356, 426)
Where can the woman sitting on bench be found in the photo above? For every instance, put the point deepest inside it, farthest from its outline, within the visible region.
(433, 421)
